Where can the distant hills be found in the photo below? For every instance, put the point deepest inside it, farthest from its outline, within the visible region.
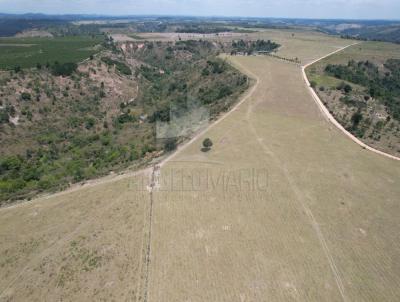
(381, 30)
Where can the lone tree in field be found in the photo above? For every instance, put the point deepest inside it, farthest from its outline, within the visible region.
(207, 144)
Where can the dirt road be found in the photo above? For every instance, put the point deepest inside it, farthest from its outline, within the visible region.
(330, 117)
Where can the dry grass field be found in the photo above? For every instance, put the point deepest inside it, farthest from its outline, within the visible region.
(376, 52)
(325, 229)
(84, 245)
(283, 208)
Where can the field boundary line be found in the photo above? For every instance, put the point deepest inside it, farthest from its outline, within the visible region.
(324, 110)
(152, 187)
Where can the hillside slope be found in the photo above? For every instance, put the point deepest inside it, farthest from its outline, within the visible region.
(63, 123)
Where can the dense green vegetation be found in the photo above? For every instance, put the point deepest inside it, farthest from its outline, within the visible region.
(65, 69)
(67, 137)
(360, 88)
(382, 85)
(68, 133)
(175, 79)
(250, 47)
(390, 33)
(28, 52)
(70, 29)
(120, 66)
(72, 25)
(202, 29)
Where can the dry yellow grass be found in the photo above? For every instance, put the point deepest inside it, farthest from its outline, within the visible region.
(84, 245)
(321, 226)
(320, 232)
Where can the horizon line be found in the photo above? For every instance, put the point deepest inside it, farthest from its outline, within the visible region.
(125, 16)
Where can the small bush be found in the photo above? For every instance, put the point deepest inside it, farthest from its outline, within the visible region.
(64, 70)
(4, 117)
(170, 145)
(120, 66)
(207, 144)
(356, 119)
(90, 122)
(26, 96)
(347, 88)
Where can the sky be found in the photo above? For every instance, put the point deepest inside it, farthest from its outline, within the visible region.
(335, 9)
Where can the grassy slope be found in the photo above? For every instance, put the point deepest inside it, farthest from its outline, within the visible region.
(86, 125)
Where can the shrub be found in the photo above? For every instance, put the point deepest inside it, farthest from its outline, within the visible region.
(341, 86)
(120, 66)
(126, 118)
(105, 139)
(205, 72)
(313, 84)
(90, 122)
(31, 173)
(347, 88)
(64, 70)
(10, 163)
(26, 96)
(11, 185)
(134, 154)
(170, 144)
(217, 66)
(207, 144)
(4, 117)
(356, 119)
(162, 115)
(46, 182)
